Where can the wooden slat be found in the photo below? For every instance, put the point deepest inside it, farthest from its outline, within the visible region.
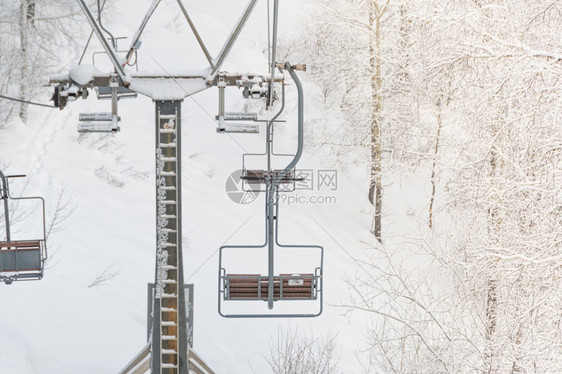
(22, 245)
(276, 296)
(275, 293)
(264, 288)
(21, 250)
(254, 283)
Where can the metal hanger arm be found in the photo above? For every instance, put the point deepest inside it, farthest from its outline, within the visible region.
(108, 48)
(4, 194)
(197, 36)
(137, 36)
(233, 36)
(273, 50)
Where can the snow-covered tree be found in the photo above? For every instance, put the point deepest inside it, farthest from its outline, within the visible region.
(508, 181)
(34, 41)
(471, 92)
(360, 58)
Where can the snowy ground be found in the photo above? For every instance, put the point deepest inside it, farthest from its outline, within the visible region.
(61, 324)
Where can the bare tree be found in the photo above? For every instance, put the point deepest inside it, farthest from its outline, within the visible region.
(105, 276)
(291, 354)
(63, 209)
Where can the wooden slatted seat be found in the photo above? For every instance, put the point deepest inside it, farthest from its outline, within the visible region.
(22, 255)
(255, 287)
(261, 175)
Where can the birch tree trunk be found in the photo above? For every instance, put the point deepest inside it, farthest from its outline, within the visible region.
(27, 14)
(375, 186)
(434, 164)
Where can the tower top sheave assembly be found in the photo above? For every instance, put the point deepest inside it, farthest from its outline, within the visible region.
(175, 86)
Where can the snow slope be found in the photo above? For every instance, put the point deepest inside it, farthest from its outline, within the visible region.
(62, 324)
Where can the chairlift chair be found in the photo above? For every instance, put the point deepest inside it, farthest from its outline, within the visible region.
(20, 259)
(264, 282)
(303, 288)
(272, 285)
(231, 122)
(105, 122)
(241, 122)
